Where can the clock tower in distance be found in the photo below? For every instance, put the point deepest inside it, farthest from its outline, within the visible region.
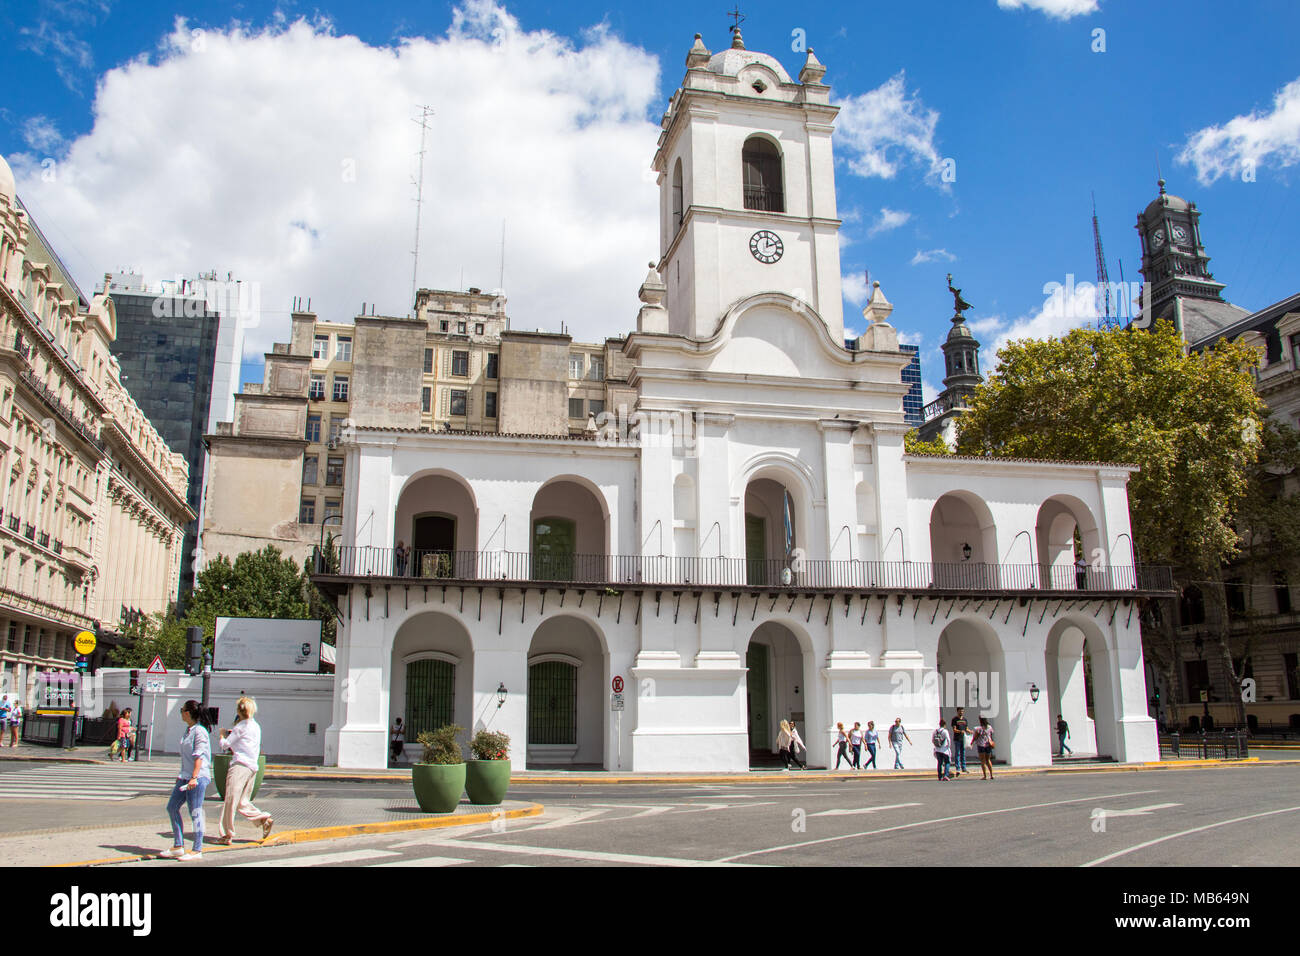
(1174, 263)
(747, 189)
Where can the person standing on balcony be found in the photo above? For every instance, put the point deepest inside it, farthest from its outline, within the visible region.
(896, 737)
(1080, 574)
(402, 556)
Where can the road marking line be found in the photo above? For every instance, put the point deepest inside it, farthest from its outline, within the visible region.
(320, 859)
(727, 806)
(425, 861)
(922, 823)
(1174, 836)
(582, 816)
(593, 855)
(841, 813)
(1135, 812)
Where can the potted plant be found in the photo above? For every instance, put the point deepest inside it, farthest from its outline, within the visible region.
(487, 776)
(221, 766)
(439, 777)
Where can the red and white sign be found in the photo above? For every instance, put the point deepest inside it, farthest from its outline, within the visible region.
(156, 668)
(618, 684)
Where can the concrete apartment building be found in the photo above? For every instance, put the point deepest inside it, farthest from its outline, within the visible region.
(456, 360)
(93, 500)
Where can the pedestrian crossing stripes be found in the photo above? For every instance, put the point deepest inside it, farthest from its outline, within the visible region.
(86, 782)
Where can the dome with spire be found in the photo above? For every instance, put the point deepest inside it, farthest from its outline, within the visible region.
(735, 58)
(1165, 201)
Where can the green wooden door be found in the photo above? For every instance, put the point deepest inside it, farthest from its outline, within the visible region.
(755, 550)
(756, 683)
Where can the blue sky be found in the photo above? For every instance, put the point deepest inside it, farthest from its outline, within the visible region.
(140, 142)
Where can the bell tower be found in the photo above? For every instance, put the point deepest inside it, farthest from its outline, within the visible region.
(1174, 263)
(747, 189)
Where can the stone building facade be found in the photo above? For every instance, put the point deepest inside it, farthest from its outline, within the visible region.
(93, 499)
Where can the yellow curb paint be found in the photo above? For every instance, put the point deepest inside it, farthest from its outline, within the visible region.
(312, 835)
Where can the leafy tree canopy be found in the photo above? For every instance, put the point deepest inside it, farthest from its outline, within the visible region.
(913, 445)
(1191, 422)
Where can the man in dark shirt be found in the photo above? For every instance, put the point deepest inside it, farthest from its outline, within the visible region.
(959, 742)
(1063, 731)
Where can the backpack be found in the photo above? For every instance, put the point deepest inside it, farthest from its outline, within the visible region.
(938, 738)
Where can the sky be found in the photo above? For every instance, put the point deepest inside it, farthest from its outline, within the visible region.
(278, 143)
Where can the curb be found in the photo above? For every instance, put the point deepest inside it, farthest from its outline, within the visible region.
(314, 834)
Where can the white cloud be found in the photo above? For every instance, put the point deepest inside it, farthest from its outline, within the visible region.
(287, 156)
(1067, 307)
(910, 338)
(57, 35)
(42, 134)
(889, 219)
(878, 132)
(929, 391)
(1246, 142)
(854, 287)
(1060, 9)
(932, 255)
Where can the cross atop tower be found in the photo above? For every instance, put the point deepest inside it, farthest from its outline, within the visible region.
(738, 17)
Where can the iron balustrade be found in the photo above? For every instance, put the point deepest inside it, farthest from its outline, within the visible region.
(1215, 745)
(614, 570)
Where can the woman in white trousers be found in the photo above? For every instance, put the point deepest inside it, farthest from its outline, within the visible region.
(244, 743)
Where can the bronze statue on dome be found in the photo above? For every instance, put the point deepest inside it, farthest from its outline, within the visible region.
(959, 305)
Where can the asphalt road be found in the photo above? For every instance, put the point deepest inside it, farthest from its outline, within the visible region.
(1248, 816)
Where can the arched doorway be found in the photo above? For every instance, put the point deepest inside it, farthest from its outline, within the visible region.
(1067, 535)
(1081, 689)
(567, 675)
(568, 533)
(963, 542)
(972, 674)
(771, 531)
(776, 689)
(437, 521)
(431, 677)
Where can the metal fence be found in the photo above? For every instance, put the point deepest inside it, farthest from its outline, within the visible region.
(614, 570)
(1223, 745)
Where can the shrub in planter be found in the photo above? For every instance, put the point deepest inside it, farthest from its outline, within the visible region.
(439, 777)
(487, 776)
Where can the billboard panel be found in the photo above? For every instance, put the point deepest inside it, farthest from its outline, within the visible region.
(266, 644)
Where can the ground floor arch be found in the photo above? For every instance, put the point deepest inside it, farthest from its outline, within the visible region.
(971, 673)
(1081, 689)
(431, 677)
(567, 704)
(777, 672)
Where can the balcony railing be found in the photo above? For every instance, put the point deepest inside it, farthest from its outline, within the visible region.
(615, 570)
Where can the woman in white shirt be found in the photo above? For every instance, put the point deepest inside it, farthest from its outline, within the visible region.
(796, 744)
(244, 744)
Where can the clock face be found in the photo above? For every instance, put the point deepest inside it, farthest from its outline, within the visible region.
(1158, 238)
(766, 246)
(1179, 234)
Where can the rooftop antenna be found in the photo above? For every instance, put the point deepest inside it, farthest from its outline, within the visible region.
(1105, 321)
(423, 121)
(501, 279)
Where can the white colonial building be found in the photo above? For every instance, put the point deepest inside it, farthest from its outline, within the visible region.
(749, 542)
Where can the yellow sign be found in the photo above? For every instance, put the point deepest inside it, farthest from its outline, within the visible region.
(85, 642)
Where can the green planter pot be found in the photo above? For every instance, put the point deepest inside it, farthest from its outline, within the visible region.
(438, 786)
(486, 781)
(221, 766)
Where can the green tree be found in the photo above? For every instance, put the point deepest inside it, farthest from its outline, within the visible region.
(1191, 422)
(913, 445)
(256, 584)
(157, 634)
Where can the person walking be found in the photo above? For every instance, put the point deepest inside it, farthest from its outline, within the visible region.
(124, 735)
(5, 707)
(191, 783)
(396, 741)
(15, 720)
(896, 737)
(982, 738)
(959, 726)
(783, 743)
(841, 746)
(855, 741)
(797, 744)
(245, 744)
(942, 749)
(872, 739)
(1062, 732)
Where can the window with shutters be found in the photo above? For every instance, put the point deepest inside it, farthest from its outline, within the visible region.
(333, 509)
(317, 388)
(444, 326)
(460, 363)
(460, 328)
(334, 471)
(320, 347)
(575, 408)
(428, 362)
(552, 703)
(478, 328)
(313, 428)
(459, 402)
(576, 365)
(340, 388)
(430, 695)
(426, 399)
(343, 353)
(307, 511)
(309, 468)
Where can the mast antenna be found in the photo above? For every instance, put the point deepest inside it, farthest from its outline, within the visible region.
(1105, 320)
(425, 112)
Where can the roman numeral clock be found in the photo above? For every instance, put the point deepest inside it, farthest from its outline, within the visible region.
(766, 246)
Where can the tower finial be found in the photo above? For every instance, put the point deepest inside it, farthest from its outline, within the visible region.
(737, 41)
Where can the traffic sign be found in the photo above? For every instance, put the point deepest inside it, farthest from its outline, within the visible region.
(155, 685)
(156, 669)
(84, 642)
(618, 684)
(615, 701)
